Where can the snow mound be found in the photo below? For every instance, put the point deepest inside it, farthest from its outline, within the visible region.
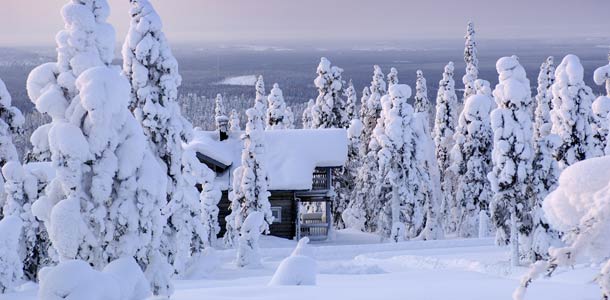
(122, 279)
(203, 264)
(246, 80)
(297, 269)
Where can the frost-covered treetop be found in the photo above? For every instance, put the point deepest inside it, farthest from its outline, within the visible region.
(470, 50)
(422, 104)
(366, 93)
(148, 59)
(393, 77)
(546, 78)
(10, 114)
(219, 109)
(513, 91)
(259, 101)
(602, 76)
(86, 41)
(570, 71)
(378, 85)
(471, 60)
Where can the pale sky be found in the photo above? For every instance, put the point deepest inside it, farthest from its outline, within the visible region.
(36, 22)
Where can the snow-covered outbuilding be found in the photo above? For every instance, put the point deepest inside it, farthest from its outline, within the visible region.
(299, 164)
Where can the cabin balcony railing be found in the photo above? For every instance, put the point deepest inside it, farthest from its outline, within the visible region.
(321, 179)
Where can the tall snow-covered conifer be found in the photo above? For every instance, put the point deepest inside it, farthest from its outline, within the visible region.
(471, 161)
(397, 205)
(288, 118)
(350, 104)
(11, 123)
(260, 100)
(545, 172)
(421, 102)
(367, 180)
(329, 109)
(571, 113)
(307, 118)
(601, 109)
(152, 70)
(86, 41)
(444, 129)
(472, 62)
(392, 77)
(276, 109)
(234, 122)
(512, 159)
(249, 189)
(105, 201)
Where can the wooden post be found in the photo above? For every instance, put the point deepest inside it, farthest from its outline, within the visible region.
(298, 216)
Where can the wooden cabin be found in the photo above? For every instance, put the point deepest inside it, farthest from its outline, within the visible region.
(299, 164)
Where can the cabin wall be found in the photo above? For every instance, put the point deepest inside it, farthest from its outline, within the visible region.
(284, 199)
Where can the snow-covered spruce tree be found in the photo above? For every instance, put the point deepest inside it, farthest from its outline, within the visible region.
(307, 118)
(367, 181)
(356, 213)
(444, 129)
(427, 187)
(579, 208)
(11, 264)
(421, 102)
(11, 123)
(288, 118)
(472, 62)
(234, 122)
(21, 190)
(345, 183)
(350, 104)
(397, 211)
(86, 41)
(220, 117)
(329, 108)
(353, 212)
(105, 201)
(392, 77)
(249, 188)
(276, 110)
(545, 172)
(601, 109)
(571, 113)
(260, 100)
(371, 111)
(342, 119)
(512, 159)
(471, 161)
(152, 70)
(196, 173)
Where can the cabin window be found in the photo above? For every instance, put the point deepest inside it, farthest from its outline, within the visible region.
(276, 211)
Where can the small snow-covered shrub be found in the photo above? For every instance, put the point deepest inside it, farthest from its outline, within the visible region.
(122, 279)
(297, 269)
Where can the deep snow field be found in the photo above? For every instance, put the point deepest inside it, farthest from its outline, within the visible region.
(356, 266)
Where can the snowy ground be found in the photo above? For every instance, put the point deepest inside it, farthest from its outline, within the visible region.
(355, 266)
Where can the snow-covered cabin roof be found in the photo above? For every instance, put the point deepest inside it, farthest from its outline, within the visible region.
(290, 155)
